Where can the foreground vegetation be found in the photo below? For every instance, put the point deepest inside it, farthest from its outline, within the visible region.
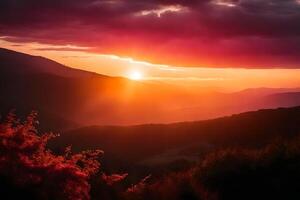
(272, 172)
(29, 170)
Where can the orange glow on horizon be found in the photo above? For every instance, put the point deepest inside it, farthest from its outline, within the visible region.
(226, 79)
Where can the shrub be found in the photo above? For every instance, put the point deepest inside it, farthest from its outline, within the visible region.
(269, 173)
(27, 166)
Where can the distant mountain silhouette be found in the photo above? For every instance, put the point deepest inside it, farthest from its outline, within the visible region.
(20, 63)
(266, 91)
(67, 98)
(284, 99)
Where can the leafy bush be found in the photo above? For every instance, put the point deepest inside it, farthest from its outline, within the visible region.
(27, 166)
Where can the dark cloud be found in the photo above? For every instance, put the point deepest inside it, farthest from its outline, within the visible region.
(244, 33)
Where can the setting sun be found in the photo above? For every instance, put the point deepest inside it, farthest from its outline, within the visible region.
(135, 75)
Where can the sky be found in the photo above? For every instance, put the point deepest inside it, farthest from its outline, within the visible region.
(241, 43)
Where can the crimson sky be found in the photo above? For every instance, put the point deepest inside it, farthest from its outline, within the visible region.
(209, 33)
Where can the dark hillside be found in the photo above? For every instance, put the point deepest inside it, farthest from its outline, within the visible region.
(143, 142)
(16, 62)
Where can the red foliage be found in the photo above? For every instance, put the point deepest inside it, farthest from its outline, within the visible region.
(139, 187)
(114, 178)
(27, 163)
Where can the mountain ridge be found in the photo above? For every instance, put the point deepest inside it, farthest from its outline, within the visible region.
(38, 64)
(35, 83)
(249, 129)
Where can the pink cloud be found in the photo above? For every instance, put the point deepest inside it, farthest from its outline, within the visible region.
(196, 33)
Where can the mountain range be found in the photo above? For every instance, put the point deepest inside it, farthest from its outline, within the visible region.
(69, 98)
